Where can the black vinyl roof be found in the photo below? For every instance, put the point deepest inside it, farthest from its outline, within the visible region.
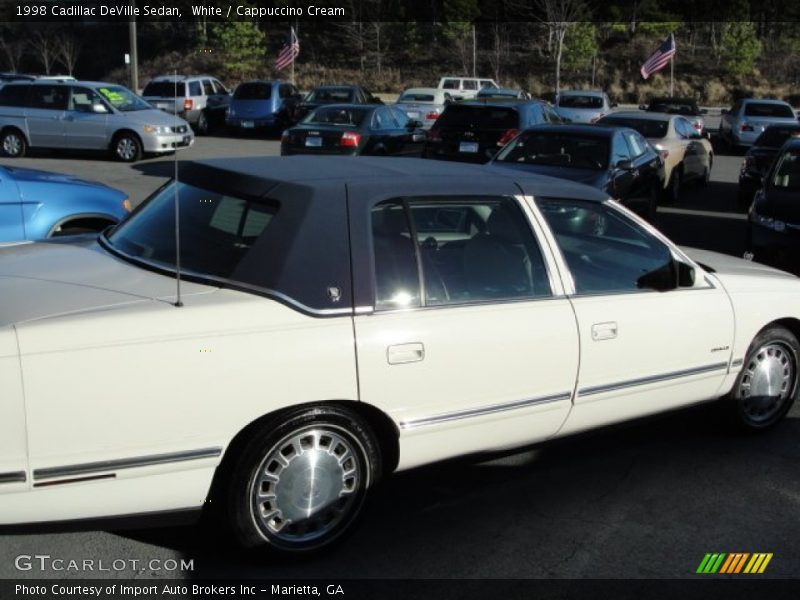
(407, 176)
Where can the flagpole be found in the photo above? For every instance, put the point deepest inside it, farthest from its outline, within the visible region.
(291, 41)
(672, 69)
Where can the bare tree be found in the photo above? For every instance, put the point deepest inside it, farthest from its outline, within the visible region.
(67, 49)
(13, 51)
(498, 55)
(43, 46)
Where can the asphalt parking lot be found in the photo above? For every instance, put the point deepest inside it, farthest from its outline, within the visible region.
(643, 500)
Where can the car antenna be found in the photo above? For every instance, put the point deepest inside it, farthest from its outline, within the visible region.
(178, 301)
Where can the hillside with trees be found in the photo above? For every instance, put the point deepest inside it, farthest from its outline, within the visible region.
(539, 45)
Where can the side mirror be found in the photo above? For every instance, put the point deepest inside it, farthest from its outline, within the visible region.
(685, 274)
(624, 165)
(99, 108)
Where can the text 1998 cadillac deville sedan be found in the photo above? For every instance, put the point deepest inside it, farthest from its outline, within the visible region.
(343, 319)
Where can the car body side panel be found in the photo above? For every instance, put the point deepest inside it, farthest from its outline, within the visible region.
(13, 440)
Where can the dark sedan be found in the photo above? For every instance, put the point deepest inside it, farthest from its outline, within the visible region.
(354, 129)
(616, 160)
(336, 94)
(474, 131)
(773, 232)
(759, 158)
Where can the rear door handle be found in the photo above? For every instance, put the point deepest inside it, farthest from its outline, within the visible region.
(405, 353)
(604, 331)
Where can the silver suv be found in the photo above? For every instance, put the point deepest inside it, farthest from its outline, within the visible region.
(85, 115)
(201, 99)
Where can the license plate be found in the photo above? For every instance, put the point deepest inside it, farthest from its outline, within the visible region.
(248, 124)
(468, 147)
(313, 142)
(413, 114)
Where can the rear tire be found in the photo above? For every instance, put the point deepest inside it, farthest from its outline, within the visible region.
(767, 384)
(13, 143)
(201, 127)
(300, 482)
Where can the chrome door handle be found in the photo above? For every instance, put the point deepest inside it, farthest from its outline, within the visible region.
(604, 331)
(405, 353)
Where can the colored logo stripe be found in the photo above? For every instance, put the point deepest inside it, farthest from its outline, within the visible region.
(734, 562)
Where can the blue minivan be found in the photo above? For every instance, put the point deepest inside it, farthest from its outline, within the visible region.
(263, 105)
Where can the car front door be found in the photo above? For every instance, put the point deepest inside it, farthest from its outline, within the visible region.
(642, 350)
(11, 214)
(45, 113)
(468, 343)
(85, 126)
(13, 440)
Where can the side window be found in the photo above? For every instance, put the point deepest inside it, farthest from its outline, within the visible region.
(619, 149)
(464, 250)
(219, 87)
(636, 148)
(82, 99)
(14, 95)
(485, 83)
(605, 252)
(450, 84)
(48, 97)
(470, 84)
(208, 89)
(195, 89)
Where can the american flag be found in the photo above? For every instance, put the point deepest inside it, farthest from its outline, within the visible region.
(659, 59)
(288, 53)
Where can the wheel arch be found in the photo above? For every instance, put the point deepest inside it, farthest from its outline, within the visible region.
(790, 323)
(385, 429)
(16, 128)
(112, 220)
(122, 130)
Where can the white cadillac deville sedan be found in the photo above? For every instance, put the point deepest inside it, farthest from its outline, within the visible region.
(342, 319)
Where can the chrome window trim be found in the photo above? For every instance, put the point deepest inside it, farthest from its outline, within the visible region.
(14, 477)
(472, 304)
(485, 410)
(609, 387)
(124, 463)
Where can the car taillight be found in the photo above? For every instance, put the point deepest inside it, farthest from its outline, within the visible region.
(431, 116)
(350, 139)
(434, 135)
(746, 127)
(188, 104)
(698, 125)
(507, 137)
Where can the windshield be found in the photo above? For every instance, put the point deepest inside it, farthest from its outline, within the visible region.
(774, 137)
(557, 149)
(478, 117)
(165, 89)
(330, 95)
(122, 98)
(580, 101)
(337, 115)
(416, 97)
(787, 174)
(217, 231)
(253, 91)
(647, 127)
(676, 106)
(765, 109)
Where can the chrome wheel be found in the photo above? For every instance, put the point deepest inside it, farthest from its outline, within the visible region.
(767, 382)
(13, 144)
(126, 149)
(307, 484)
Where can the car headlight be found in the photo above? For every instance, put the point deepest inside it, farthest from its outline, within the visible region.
(154, 129)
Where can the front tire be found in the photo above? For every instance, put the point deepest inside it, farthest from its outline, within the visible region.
(127, 147)
(300, 483)
(767, 384)
(202, 127)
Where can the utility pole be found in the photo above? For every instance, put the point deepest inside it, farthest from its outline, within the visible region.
(134, 52)
(473, 51)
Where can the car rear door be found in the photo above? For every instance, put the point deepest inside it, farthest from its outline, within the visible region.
(642, 351)
(45, 113)
(463, 335)
(83, 127)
